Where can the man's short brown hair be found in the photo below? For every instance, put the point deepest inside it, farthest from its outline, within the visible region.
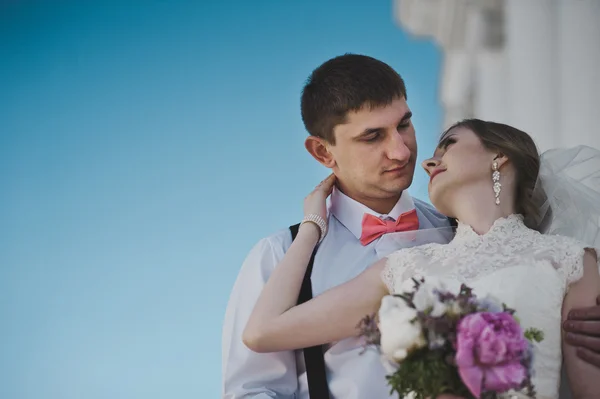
(344, 84)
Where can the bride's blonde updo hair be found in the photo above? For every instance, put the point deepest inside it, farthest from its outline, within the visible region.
(522, 152)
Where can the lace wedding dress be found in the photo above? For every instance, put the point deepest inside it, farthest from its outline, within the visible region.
(528, 271)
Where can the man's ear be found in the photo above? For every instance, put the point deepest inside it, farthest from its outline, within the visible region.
(319, 149)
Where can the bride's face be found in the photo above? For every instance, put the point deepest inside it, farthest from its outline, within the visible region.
(459, 161)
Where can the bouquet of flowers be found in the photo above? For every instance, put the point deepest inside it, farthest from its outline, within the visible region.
(440, 342)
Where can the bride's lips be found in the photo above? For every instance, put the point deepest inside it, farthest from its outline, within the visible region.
(435, 173)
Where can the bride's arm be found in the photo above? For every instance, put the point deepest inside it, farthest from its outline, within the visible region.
(276, 324)
(584, 378)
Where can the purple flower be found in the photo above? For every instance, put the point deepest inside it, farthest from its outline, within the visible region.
(490, 347)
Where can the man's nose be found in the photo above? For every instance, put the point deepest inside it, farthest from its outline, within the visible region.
(397, 149)
(430, 164)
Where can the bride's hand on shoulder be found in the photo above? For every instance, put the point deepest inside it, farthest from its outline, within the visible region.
(315, 203)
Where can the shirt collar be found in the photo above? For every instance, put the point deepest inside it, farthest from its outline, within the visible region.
(350, 212)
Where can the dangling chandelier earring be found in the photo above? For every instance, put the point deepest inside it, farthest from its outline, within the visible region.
(496, 180)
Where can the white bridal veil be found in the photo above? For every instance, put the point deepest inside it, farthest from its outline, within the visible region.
(568, 189)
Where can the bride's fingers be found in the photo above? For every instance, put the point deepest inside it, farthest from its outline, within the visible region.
(326, 185)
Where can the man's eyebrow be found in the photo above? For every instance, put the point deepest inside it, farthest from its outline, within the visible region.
(371, 130)
(406, 117)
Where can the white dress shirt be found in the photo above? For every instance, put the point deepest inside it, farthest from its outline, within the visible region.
(340, 257)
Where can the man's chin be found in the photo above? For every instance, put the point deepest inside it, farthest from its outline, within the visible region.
(397, 187)
(400, 183)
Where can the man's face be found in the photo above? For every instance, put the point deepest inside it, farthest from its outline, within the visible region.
(375, 151)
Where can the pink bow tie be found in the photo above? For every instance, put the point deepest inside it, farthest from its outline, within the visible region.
(373, 227)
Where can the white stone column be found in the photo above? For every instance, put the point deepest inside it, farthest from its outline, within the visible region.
(456, 87)
(492, 87)
(533, 78)
(579, 72)
(542, 76)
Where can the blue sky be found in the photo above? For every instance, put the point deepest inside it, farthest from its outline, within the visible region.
(144, 148)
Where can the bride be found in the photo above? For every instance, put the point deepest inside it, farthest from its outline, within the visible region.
(495, 251)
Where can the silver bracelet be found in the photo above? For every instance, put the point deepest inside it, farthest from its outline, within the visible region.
(319, 221)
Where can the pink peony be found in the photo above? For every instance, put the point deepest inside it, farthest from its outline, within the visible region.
(490, 347)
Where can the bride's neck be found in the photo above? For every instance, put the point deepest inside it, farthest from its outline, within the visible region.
(477, 208)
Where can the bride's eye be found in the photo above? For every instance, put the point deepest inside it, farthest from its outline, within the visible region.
(444, 144)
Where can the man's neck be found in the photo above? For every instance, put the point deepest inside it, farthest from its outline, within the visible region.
(379, 205)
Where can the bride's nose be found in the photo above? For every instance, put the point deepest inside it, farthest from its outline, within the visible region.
(430, 164)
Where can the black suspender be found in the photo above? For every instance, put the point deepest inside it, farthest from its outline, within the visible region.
(313, 356)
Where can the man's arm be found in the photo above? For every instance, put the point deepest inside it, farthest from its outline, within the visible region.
(247, 374)
(584, 378)
(582, 329)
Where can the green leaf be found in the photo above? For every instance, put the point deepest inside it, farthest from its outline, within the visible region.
(427, 374)
(534, 334)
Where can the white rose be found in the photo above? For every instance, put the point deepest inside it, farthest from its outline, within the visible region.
(400, 332)
(426, 296)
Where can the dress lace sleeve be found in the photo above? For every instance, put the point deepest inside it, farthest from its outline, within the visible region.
(568, 256)
(393, 270)
(407, 263)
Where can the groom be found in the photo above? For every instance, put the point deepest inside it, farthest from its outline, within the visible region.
(360, 126)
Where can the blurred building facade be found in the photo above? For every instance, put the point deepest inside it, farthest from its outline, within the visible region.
(533, 64)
